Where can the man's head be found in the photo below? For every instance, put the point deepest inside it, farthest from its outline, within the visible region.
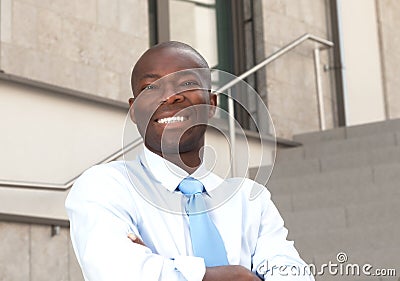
(171, 98)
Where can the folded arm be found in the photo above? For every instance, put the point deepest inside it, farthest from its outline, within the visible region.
(101, 216)
(217, 273)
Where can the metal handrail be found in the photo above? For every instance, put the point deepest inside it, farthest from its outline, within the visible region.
(137, 142)
(227, 87)
(276, 55)
(68, 184)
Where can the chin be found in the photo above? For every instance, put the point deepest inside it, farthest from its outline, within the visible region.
(174, 143)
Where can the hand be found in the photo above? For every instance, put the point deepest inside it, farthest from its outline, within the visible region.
(229, 273)
(217, 273)
(136, 239)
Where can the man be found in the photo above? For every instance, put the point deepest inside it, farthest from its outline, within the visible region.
(141, 220)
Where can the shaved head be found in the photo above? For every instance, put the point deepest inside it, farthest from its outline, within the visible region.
(177, 47)
(184, 47)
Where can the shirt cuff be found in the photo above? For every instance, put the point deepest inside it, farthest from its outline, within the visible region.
(192, 268)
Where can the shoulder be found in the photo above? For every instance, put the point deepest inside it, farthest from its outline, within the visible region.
(104, 172)
(104, 181)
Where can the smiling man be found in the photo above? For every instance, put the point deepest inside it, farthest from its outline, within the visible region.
(164, 216)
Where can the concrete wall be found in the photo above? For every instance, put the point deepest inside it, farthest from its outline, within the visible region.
(30, 253)
(388, 14)
(88, 46)
(291, 91)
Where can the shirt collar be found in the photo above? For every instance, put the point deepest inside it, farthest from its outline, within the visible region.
(170, 175)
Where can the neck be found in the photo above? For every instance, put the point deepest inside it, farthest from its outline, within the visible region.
(188, 161)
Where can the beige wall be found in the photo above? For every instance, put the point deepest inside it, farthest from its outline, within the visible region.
(364, 96)
(196, 26)
(52, 137)
(388, 14)
(88, 46)
(290, 80)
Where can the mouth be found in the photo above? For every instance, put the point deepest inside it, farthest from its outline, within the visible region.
(173, 119)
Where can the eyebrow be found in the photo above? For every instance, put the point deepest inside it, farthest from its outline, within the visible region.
(149, 75)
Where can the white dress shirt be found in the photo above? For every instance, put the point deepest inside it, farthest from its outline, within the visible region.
(110, 201)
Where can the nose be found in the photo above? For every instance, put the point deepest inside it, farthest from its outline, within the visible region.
(174, 98)
(170, 94)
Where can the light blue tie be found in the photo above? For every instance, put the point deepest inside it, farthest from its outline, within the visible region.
(206, 240)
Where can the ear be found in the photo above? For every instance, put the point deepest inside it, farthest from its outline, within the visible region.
(213, 105)
(131, 110)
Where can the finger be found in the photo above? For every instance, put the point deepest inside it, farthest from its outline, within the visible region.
(135, 239)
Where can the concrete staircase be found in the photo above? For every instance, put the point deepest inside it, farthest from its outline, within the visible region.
(340, 192)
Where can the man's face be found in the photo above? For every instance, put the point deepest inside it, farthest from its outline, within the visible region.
(172, 100)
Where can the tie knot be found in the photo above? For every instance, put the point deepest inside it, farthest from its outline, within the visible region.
(190, 186)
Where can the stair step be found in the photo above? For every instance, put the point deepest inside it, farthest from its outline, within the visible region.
(296, 168)
(375, 213)
(357, 131)
(383, 174)
(387, 174)
(338, 148)
(302, 222)
(376, 128)
(328, 135)
(283, 202)
(340, 196)
(322, 181)
(374, 157)
(334, 240)
(318, 150)
(324, 219)
(289, 154)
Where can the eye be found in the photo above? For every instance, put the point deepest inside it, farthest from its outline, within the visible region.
(190, 83)
(149, 87)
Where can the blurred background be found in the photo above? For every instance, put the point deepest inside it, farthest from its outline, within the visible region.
(328, 71)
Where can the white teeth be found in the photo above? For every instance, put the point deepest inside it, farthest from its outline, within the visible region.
(172, 119)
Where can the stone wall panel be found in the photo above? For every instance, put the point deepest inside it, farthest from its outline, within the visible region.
(293, 102)
(14, 253)
(88, 46)
(389, 18)
(49, 254)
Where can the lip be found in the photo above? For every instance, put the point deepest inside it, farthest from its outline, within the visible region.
(169, 114)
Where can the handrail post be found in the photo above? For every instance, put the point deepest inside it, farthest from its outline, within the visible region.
(318, 84)
(232, 132)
